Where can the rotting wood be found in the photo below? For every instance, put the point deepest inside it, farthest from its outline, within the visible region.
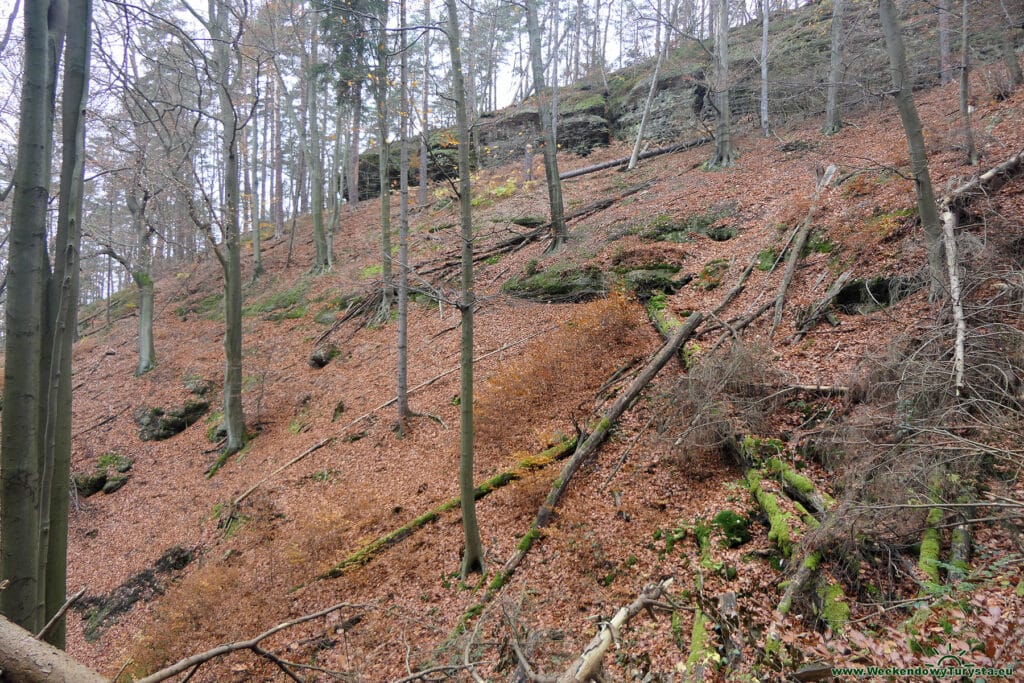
(603, 166)
(382, 406)
(588, 665)
(798, 246)
(821, 308)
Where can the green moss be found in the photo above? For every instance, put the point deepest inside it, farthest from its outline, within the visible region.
(834, 608)
(370, 272)
(527, 541)
(1019, 590)
(791, 476)
(735, 527)
(560, 283)
(766, 259)
(778, 521)
(701, 653)
(928, 558)
(756, 449)
(663, 319)
(497, 582)
(818, 244)
(286, 303)
(114, 461)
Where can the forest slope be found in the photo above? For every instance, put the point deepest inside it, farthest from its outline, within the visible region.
(654, 481)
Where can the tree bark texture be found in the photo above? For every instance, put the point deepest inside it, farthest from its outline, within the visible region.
(902, 89)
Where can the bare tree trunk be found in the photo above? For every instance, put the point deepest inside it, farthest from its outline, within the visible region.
(926, 206)
(473, 558)
(402, 393)
(353, 152)
(634, 157)
(63, 308)
(559, 230)
(380, 93)
(833, 119)
(25, 375)
(965, 89)
(945, 53)
(315, 155)
(765, 14)
(421, 198)
(724, 153)
(25, 659)
(278, 165)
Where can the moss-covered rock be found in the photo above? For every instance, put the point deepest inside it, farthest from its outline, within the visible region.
(735, 527)
(560, 283)
(157, 424)
(109, 474)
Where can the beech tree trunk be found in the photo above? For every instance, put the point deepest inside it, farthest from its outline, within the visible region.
(833, 120)
(902, 89)
(965, 89)
(403, 228)
(724, 153)
(559, 230)
(473, 557)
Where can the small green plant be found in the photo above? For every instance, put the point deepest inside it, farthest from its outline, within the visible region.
(818, 244)
(507, 189)
(491, 260)
(735, 527)
(766, 259)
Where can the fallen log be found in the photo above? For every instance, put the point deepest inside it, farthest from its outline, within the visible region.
(25, 659)
(590, 446)
(988, 182)
(798, 246)
(588, 665)
(819, 310)
(624, 161)
(372, 549)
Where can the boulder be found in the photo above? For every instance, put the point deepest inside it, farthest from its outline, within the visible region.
(157, 424)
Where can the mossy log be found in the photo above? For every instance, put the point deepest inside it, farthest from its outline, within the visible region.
(800, 488)
(700, 651)
(959, 552)
(779, 531)
(931, 542)
(370, 550)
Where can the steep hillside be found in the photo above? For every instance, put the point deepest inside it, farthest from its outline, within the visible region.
(639, 511)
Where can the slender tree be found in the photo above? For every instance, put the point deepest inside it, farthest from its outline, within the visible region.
(965, 88)
(559, 231)
(725, 155)
(766, 11)
(833, 120)
(421, 198)
(902, 89)
(403, 225)
(473, 558)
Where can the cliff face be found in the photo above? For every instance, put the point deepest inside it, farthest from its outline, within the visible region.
(605, 107)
